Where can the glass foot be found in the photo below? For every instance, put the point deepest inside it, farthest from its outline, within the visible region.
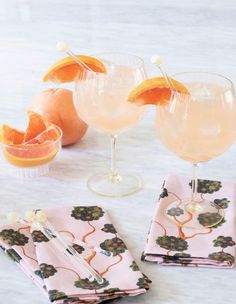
(195, 215)
(114, 185)
(28, 172)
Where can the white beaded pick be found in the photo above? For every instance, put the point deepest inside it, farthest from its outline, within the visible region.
(41, 217)
(156, 60)
(62, 46)
(30, 216)
(13, 217)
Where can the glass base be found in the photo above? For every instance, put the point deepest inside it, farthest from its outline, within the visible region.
(27, 172)
(114, 185)
(195, 215)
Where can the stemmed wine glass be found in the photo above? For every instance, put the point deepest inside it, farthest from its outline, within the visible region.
(101, 101)
(198, 127)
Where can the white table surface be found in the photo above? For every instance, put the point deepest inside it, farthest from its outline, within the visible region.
(190, 35)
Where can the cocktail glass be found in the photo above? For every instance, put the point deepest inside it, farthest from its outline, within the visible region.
(197, 128)
(101, 101)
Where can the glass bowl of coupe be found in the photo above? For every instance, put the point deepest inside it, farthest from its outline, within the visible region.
(101, 101)
(195, 119)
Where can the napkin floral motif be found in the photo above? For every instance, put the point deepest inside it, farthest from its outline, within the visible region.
(35, 254)
(174, 243)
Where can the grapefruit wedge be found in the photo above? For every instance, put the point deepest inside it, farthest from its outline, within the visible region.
(66, 69)
(10, 135)
(155, 91)
(36, 126)
(50, 134)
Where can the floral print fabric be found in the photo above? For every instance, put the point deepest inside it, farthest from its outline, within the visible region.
(173, 242)
(54, 273)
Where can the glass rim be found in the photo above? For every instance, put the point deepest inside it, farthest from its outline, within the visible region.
(33, 146)
(230, 82)
(140, 59)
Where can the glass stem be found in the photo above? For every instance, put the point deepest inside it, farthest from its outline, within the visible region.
(194, 183)
(113, 155)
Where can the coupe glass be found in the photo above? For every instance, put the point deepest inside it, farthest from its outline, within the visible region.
(101, 101)
(197, 128)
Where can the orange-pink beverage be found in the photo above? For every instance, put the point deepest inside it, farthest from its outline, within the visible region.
(102, 100)
(200, 127)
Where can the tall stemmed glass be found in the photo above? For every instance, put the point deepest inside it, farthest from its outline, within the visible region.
(101, 101)
(197, 128)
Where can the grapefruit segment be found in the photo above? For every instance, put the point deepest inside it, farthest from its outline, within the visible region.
(66, 69)
(155, 91)
(35, 127)
(10, 135)
(51, 133)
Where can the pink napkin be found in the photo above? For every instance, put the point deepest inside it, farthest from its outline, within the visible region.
(51, 271)
(170, 244)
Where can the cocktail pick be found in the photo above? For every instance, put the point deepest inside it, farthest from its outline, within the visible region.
(63, 47)
(42, 218)
(156, 60)
(13, 217)
(47, 228)
(95, 249)
(38, 220)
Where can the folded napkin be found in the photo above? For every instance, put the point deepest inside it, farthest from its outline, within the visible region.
(171, 243)
(53, 272)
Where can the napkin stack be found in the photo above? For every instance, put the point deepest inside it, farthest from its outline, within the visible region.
(170, 243)
(51, 271)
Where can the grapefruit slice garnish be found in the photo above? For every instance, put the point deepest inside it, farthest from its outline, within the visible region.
(155, 91)
(66, 69)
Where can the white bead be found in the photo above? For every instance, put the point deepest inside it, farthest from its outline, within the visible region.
(41, 217)
(62, 46)
(156, 59)
(13, 217)
(30, 216)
